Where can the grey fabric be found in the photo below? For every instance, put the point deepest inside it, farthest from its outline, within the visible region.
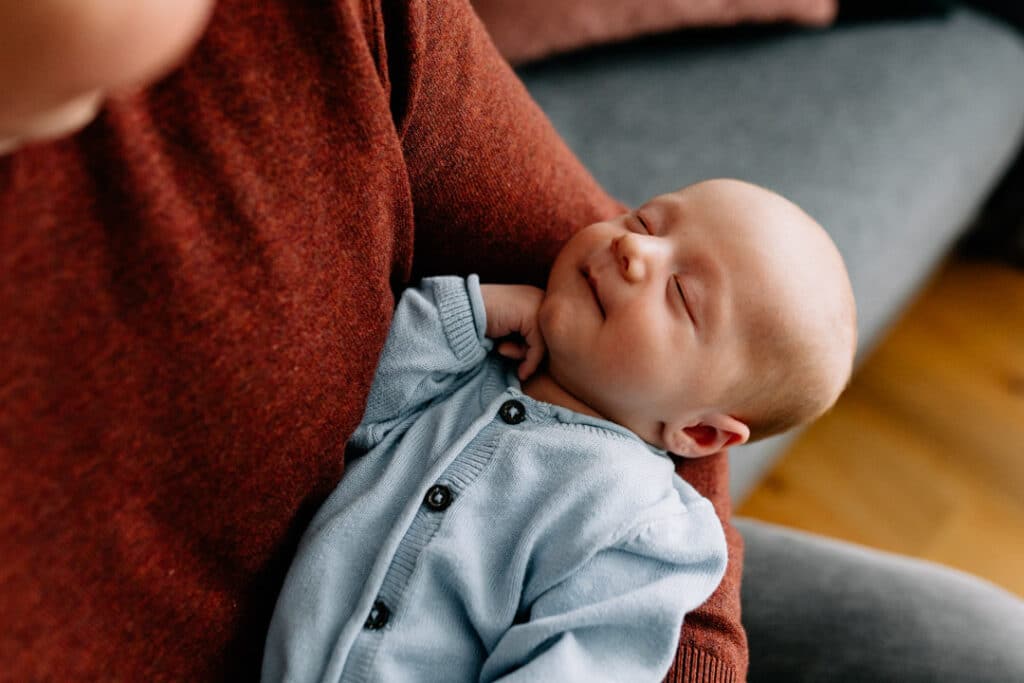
(821, 610)
(890, 134)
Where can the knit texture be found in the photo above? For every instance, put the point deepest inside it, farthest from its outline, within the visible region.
(568, 549)
(194, 291)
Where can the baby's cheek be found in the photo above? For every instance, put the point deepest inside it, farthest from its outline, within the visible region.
(639, 339)
(569, 339)
(630, 364)
(653, 360)
(556, 324)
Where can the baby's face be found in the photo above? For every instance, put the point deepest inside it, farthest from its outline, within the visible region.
(653, 317)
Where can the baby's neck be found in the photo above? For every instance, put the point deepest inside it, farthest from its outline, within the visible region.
(541, 386)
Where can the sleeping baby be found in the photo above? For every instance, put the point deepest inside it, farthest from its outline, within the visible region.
(511, 511)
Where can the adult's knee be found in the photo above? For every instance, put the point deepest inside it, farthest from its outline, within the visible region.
(817, 609)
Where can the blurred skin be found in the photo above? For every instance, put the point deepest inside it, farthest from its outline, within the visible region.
(59, 58)
(653, 318)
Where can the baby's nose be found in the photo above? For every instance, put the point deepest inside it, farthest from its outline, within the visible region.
(629, 255)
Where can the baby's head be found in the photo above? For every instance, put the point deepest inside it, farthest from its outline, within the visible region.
(709, 316)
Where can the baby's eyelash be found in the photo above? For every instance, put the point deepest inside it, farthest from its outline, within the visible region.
(682, 295)
(642, 222)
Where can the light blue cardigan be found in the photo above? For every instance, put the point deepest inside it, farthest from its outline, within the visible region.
(560, 548)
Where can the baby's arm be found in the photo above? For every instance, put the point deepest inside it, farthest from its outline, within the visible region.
(436, 337)
(440, 331)
(617, 617)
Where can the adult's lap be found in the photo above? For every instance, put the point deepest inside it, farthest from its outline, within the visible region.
(816, 609)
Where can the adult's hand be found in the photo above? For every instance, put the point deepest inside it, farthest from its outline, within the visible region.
(58, 58)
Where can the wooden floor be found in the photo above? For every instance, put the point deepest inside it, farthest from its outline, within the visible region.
(924, 453)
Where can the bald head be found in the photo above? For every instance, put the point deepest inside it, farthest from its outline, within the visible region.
(701, 318)
(792, 291)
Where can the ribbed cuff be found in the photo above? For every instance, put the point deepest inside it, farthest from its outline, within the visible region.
(458, 315)
(693, 665)
(476, 301)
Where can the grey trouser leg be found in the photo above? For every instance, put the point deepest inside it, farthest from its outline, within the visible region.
(822, 610)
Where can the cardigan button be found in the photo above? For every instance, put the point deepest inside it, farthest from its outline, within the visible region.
(512, 411)
(438, 497)
(379, 615)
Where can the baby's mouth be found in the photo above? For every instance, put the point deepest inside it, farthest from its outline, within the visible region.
(585, 272)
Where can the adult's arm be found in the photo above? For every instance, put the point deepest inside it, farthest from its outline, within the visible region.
(59, 57)
(496, 191)
(713, 645)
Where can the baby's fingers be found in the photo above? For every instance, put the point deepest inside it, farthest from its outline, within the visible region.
(535, 350)
(512, 349)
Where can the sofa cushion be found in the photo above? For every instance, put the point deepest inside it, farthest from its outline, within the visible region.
(525, 30)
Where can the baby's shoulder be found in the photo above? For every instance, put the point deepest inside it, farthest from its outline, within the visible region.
(620, 479)
(675, 527)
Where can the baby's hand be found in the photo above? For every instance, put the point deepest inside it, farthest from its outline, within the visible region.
(512, 310)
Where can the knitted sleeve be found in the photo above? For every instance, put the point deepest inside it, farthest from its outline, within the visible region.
(612, 619)
(436, 337)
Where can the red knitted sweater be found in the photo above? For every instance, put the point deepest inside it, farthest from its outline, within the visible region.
(193, 294)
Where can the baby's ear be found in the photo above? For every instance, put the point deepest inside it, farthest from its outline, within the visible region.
(706, 436)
